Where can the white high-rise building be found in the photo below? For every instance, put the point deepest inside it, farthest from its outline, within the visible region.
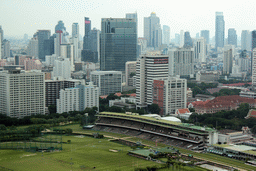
(227, 61)
(254, 67)
(22, 93)
(67, 51)
(32, 49)
(170, 94)
(149, 67)
(75, 30)
(78, 98)
(107, 81)
(181, 38)
(130, 71)
(246, 40)
(49, 59)
(181, 62)
(200, 50)
(62, 68)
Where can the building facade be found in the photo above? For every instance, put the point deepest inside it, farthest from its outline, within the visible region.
(152, 30)
(232, 37)
(206, 35)
(107, 81)
(118, 43)
(22, 93)
(170, 94)
(181, 62)
(246, 40)
(219, 30)
(62, 68)
(130, 71)
(42, 35)
(200, 50)
(166, 34)
(228, 62)
(254, 67)
(148, 68)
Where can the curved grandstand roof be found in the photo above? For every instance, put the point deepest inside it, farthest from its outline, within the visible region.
(171, 118)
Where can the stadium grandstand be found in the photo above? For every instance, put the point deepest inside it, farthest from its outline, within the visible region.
(171, 133)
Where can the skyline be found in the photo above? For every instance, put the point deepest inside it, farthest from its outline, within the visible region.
(27, 16)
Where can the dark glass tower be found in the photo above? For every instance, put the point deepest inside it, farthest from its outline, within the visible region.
(87, 29)
(60, 27)
(232, 37)
(219, 30)
(42, 35)
(188, 43)
(118, 42)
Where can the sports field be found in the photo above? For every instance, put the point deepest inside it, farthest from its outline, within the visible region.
(84, 153)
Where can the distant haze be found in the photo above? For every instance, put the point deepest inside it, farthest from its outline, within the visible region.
(27, 16)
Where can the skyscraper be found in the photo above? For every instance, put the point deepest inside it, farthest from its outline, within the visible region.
(227, 62)
(253, 35)
(60, 26)
(148, 68)
(166, 34)
(42, 35)
(75, 30)
(246, 40)
(152, 30)
(219, 30)
(254, 67)
(87, 29)
(118, 43)
(177, 38)
(253, 63)
(2, 33)
(200, 50)
(188, 43)
(206, 35)
(0, 46)
(232, 37)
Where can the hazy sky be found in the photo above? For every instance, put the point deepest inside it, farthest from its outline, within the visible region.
(18, 17)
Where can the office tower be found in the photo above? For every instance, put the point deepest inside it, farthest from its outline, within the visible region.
(254, 67)
(246, 40)
(6, 49)
(49, 45)
(200, 50)
(107, 81)
(75, 40)
(67, 51)
(181, 38)
(130, 71)
(53, 87)
(170, 94)
(166, 34)
(177, 38)
(152, 30)
(132, 16)
(219, 30)
(181, 62)
(42, 35)
(118, 43)
(22, 93)
(243, 61)
(253, 36)
(95, 44)
(78, 98)
(60, 26)
(75, 30)
(87, 29)
(232, 37)
(149, 67)
(62, 68)
(32, 49)
(227, 61)
(188, 43)
(206, 35)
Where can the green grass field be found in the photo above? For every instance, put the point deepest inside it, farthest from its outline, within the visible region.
(86, 153)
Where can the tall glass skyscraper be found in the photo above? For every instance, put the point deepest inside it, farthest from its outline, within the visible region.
(188, 43)
(166, 34)
(232, 37)
(219, 30)
(87, 29)
(118, 42)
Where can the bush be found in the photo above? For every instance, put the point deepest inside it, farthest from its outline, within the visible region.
(69, 141)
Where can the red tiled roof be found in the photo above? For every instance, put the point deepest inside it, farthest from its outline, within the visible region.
(103, 97)
(253, 113)
(118, 94)
(236, 84)
(182, 111)
(132, 95)
(214, 90)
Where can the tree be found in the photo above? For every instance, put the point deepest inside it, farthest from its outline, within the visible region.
(52, 109)
(154, 108)
(2, 127)
(253, 130)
